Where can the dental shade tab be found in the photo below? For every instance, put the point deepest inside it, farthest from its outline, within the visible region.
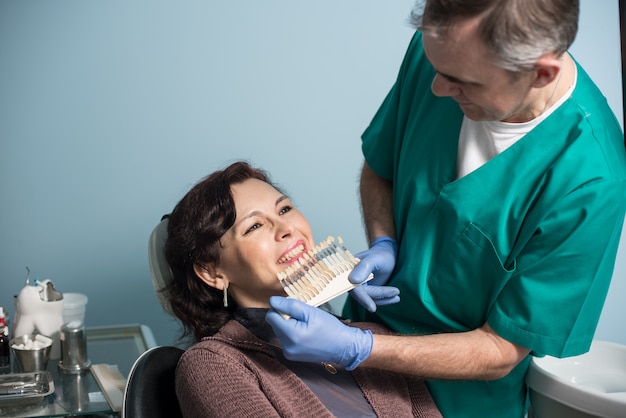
(321, 274)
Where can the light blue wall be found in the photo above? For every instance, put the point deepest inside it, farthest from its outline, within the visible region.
(597, 48)
(111, 110)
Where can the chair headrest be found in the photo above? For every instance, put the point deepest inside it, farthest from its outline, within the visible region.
(150, 387)
(159, 269)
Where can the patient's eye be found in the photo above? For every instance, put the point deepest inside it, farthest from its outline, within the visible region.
(257, 225)
(285, 209)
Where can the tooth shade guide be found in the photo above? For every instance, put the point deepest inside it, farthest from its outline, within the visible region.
(321, 274)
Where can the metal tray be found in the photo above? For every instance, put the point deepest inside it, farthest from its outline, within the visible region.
(25, 387)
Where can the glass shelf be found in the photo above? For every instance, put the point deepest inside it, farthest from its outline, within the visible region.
(78, 393)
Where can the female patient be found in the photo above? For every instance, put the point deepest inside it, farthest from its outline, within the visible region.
(227, 240)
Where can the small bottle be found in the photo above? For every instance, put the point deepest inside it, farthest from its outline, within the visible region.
(5, 352)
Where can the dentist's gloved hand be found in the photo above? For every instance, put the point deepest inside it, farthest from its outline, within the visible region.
(380, 259)
(371, 297)
(313, 335)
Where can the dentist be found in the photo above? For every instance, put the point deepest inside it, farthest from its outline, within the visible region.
(493, 194)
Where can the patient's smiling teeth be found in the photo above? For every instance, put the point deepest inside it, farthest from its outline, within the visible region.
(291, 254)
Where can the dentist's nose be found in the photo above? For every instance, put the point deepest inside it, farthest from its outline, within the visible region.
(442, 87)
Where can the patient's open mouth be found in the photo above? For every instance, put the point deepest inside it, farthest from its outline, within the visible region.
(292, 255)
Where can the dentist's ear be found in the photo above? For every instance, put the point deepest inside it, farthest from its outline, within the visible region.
(547, 69)
(210, 276)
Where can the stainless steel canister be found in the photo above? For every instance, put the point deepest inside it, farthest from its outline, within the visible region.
(73, 347)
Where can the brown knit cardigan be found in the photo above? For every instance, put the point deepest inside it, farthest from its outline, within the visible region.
(235, 374)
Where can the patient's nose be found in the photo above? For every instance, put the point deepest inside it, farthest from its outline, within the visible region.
(284, 229)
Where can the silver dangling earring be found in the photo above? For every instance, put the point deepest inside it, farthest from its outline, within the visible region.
(226, 296)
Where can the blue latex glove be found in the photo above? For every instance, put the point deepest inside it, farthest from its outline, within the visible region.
(313, 335)
(380, 259)
(371, 297)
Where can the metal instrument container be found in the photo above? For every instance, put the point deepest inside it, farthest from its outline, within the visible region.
(73, 348)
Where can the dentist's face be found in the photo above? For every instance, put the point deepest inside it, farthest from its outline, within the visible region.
(268, 235)
(467, 74)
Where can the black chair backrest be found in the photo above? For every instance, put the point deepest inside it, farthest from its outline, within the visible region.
(150, 389)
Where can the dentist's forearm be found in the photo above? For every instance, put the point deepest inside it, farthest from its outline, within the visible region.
(376, 204)
(474, 355)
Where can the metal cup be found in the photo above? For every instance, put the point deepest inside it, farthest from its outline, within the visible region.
(73, 348)
(29, 360)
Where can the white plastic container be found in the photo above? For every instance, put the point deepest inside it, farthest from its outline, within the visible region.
(74, 306)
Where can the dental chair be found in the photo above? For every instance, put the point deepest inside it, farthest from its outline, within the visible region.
(150, 391)
(159, 269)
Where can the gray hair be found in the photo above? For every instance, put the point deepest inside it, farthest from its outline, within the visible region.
(517, 32)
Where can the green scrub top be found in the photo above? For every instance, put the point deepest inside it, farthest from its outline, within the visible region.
(527, 242)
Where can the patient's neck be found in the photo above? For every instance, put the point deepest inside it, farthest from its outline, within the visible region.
(254, 320)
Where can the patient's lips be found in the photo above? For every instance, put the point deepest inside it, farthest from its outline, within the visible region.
(292, 253)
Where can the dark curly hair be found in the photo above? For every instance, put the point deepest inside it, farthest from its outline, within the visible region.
(195, 227)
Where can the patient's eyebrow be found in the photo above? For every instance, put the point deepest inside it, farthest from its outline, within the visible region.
(257, 212)
(280, 199)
